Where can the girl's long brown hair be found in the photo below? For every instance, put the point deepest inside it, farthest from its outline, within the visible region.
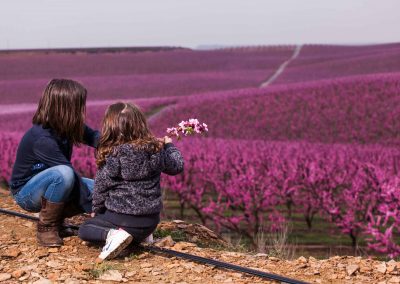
(62, 108)
(124, 123)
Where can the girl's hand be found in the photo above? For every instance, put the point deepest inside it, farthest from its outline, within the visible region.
(92, 214)
(167, 140)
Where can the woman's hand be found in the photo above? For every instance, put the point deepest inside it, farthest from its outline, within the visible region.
(92, 214)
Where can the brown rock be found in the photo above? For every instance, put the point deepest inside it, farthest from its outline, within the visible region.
(84, 267)
(111, 275)
(351, 269)
(26, 276)
(237, 275)
(5, 277)
(302, 259)
(333, 276)
(143, 255)
(394, 279)
(18, 273)
(391, 268)
(53, 276)
(165, 242)
(71, 281)
(198, 269)
(53, 250)
(43, 281)
(11, 252)
(53, 264)
(146, 265)
(130, 274)
(183, 246)
(365, 268)
(311, 258)
(41, 253)
(219, 277)
(381, 268)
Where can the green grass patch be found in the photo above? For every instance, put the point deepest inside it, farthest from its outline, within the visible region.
(177, 236)
(101, 268)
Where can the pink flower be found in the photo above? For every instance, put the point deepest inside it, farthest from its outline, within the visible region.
(188, 128)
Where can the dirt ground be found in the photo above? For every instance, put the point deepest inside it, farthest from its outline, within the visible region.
(22, 261)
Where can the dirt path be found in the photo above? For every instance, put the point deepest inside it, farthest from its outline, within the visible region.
(281, 68)
(31, 107)
(22, 261)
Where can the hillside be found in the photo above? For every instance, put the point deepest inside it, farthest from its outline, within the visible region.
(23, 261)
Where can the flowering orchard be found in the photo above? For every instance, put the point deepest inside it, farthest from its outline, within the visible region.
(248, 186)
(357, 110)
(317, 62)
(129, 75)
(322, 149)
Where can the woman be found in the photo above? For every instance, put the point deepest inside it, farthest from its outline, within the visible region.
(43, 179)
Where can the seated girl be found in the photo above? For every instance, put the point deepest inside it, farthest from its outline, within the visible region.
(127, 197)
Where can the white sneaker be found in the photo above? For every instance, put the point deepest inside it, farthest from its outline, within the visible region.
(149, 239)
(116, 241)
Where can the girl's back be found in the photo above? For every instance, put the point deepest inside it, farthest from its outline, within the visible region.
(129, 180)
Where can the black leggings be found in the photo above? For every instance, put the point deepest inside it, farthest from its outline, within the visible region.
(97, 228)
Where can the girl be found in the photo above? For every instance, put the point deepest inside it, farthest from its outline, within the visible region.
(127, 195)
(43, 179)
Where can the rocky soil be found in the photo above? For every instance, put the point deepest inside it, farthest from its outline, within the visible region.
(22, 261)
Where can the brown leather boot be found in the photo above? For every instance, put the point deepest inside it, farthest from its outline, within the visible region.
(50, 219)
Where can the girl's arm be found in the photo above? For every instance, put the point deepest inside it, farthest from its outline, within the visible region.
(103, 183)
(171, 160)
(91, 137)
(100, 191)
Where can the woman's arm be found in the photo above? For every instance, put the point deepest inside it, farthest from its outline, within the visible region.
(91, 137)
(48, 152)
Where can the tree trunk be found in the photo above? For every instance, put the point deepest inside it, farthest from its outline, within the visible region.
(289, 208)
(182, 210)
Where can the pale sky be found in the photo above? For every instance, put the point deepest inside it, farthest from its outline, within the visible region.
(190, 23)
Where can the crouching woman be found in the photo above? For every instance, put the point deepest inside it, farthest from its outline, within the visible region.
(43, 179)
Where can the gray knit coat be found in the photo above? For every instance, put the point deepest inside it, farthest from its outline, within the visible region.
(129, 181)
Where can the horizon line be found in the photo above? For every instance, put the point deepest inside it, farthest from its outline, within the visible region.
(198, 47)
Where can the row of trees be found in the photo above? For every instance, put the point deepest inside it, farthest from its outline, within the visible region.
(247, 187)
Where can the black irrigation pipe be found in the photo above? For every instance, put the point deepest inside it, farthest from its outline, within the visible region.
(225, 265)
(33, 218)
(186, 256)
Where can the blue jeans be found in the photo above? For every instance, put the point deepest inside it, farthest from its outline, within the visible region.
(55, 184)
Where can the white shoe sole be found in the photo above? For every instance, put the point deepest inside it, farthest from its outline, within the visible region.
(117, 250)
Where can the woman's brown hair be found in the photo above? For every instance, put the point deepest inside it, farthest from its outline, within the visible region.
(124, 123)
(62, 108)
